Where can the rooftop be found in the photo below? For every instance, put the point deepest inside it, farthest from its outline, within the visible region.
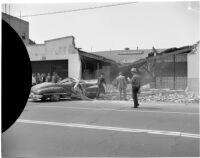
(126, 56)
(7, 16)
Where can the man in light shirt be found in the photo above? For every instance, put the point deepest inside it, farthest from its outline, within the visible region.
(121, 85)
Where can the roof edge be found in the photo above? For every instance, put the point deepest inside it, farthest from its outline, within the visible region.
(97, 57)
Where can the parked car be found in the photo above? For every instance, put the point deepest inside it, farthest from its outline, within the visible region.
(63, 89)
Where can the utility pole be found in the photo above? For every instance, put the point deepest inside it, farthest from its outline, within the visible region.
(9, 9)
(9, 12)
(20, 23)
(5, 7)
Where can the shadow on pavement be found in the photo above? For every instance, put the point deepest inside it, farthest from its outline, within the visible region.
(61, 100)
(149, 108)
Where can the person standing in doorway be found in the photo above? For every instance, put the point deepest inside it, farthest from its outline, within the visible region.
(44, 77)
(121, 85)
(33, 79)
(135, 82)
(101, 85)
(54, 77)
(38, 78)
(48, 78)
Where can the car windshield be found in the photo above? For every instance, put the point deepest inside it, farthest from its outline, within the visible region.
(68, 80)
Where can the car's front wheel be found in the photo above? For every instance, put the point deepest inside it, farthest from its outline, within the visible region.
(55, 97)
(43, 98)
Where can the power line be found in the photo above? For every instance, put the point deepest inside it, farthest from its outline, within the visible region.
(76, 10)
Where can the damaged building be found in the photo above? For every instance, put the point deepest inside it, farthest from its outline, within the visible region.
(61, 55)
(126, 55)
(173, 68)
(92, 65)
(124, 58)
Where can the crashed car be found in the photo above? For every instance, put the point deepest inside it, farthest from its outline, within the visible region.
(63, 89)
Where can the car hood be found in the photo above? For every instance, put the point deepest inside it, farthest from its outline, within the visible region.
(85, 83)
(44, 85)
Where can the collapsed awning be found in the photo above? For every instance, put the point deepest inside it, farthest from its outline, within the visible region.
(174, 51)
(165, 53)
(96, 57)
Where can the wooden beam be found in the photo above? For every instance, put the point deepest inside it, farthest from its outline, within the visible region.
(97, 57)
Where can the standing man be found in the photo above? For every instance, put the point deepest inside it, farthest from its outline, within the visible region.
(33, 79)
(121, 85)
(54, 78)
(44, 77)
(101, 85)
(57, 77)
(48, 78)
(38, 78)
(135, 82)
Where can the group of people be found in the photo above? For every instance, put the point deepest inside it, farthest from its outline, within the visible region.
(43, 77)
(121, 85)
(135, 83)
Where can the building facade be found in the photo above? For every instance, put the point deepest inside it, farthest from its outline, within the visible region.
(193, 70)
(171, 72)
(56, 55)
(61, 56)
(165, 70)
(19, 25)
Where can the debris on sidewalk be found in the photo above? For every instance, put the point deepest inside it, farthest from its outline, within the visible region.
(170, 96)
(158, 95)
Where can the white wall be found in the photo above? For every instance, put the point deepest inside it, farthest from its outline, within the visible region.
(58, 49)
(60, 46)
(74, 67)
(193, 71)
(36, 52)
(193, 65)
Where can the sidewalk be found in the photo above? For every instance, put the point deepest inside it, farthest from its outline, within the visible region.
(156, 95)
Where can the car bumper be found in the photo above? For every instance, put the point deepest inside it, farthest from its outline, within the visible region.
(35, 96)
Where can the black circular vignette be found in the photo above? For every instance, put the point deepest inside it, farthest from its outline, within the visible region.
(16, 76)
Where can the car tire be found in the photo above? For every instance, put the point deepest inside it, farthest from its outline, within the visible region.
(43, 98)
(55, 97)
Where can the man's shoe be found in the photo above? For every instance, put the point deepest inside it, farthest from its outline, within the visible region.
(134, 107)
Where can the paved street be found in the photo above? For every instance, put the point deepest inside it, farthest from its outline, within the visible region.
(103, 128)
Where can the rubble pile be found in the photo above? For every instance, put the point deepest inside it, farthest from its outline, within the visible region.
(175, 97)
(158, 95)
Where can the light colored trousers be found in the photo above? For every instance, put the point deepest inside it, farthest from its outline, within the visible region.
(122, 90)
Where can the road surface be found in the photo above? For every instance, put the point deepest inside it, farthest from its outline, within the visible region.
(103, 128)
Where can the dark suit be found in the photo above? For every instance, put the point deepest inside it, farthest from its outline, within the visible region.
(100, 89)
(135, 82)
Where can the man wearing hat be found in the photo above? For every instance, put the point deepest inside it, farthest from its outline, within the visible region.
(135, 82)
